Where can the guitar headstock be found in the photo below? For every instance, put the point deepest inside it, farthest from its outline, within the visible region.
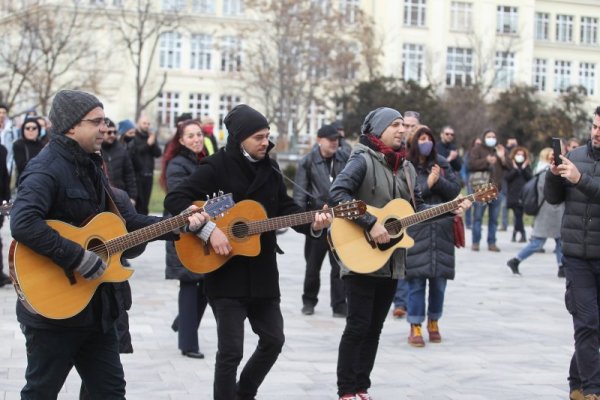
(217, 205)
(350, 209)
(485, 193)
(5, 208)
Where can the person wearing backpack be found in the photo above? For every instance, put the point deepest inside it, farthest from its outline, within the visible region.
(545, 225)
(516, 177)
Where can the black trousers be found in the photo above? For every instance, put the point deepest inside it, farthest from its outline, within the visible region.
(315, 250)
(266, 321)
(582, 300)
(369, 300)
(192, 303)
(144, 186)
(52, 353)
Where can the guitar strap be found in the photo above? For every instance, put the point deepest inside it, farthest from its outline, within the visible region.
(409, 182)
(112, 206)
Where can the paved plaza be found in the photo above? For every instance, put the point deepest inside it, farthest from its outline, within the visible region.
(505, 337)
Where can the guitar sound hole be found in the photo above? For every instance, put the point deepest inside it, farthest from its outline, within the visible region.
(239, 230)
(98, 247)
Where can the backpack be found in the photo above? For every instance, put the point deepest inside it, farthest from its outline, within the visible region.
(529, 196)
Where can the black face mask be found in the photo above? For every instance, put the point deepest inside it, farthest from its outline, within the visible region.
(127, 139)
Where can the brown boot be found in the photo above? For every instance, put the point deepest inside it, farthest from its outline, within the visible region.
(416, 337)
(434, 331)
(399, 312)
(475, 247)
(493, 247)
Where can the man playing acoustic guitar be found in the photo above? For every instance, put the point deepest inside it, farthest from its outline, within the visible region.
(245, 286)
(65, 183)
(376, 173)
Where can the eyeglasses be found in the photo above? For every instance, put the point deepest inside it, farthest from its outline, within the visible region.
(449, 133)
(31, 128)
(98, 121)
(111, 132)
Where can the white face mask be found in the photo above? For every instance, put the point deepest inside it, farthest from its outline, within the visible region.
(519, 159)
(490, 141)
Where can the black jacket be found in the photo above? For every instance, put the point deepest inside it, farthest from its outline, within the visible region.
(443, 149)
(228, 170)
(143, 155)
(580, 231)
(66, 184)
(23, 151)
(4, 176)
(516, 178)
(120, 167)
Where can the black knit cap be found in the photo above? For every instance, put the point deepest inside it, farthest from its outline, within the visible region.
(244, 121)
(328, 131)
(69, 107)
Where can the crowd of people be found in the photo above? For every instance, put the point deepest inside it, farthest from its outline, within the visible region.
(108, 166)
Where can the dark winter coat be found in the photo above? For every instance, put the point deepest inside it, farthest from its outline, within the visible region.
(4, 176)
(143, 155)
(478, 162)
(516, 178)
(228, 170)
(432, 255)
(23, 151)
(444, 149)
(580, 231)
(120, 168)
(179, 168)
(64, 183)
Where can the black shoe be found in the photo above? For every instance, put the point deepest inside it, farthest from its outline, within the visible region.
(125, 263)
(4, 280)
(340, 314)
(307, 309)
(175, 324)
(340, 311)
(561, 271)
(192, 354)
(513, 264)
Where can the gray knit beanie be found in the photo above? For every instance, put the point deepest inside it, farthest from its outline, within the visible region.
(69, 107)
(378, 120)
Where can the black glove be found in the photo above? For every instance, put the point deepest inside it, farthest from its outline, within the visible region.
(91, 266)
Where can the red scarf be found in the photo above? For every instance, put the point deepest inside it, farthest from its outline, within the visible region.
(394, 158)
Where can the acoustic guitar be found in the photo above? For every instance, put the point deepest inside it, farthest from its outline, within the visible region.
(353, 246)
(243, 225)
(44, 288)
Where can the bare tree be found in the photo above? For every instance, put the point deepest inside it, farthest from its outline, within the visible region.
(301, 56)
(140, 27)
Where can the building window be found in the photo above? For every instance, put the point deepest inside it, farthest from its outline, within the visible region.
(170, 50)
(505, 65)
(200, 51)
(199, 105)
(172, 5)
(203, 6)
(226, 103)
(412, 62)
(562, 75)
(233, 7)
(587, 77)
(350, 10)
(507, 20)
(539, 74)
(414, 12)
(168, 108)
(461, 16)
(589, 30)
(459, 66)
(542, 26)
(231, 54)
(564, 28)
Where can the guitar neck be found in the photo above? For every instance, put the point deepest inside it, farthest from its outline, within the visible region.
(285, 221)
(148, 233)
(416, 218)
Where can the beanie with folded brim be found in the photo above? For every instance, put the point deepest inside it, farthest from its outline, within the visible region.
(69, 107)
(242, 122)
(378, 120)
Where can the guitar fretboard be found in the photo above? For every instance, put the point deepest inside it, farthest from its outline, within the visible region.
(285, 221)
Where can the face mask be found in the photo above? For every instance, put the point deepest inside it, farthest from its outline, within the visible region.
(490, 142)
(519, 159)
(425, 148)
(209, 129)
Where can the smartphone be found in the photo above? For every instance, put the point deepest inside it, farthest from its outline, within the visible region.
(556, 146)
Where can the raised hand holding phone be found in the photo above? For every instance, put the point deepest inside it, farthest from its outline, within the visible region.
(556, 146)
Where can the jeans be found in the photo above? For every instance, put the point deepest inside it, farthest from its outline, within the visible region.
(315, 251)
(479, 209)
(401, 295)
(266, 321)
(469, 212)
(536, 243)
(52, 353)
(416, 299)
(369, 299)
(581, 300)
(192, 303)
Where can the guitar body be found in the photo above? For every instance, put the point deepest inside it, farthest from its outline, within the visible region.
(202, 259)
(44, 286)
(352, 247)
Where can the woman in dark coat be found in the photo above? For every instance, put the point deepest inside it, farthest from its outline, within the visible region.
(431, 259)
(516, 177)
(182, 157)
(29, 145)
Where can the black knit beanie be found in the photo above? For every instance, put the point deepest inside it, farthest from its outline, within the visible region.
(244, 121)
(69, 107)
